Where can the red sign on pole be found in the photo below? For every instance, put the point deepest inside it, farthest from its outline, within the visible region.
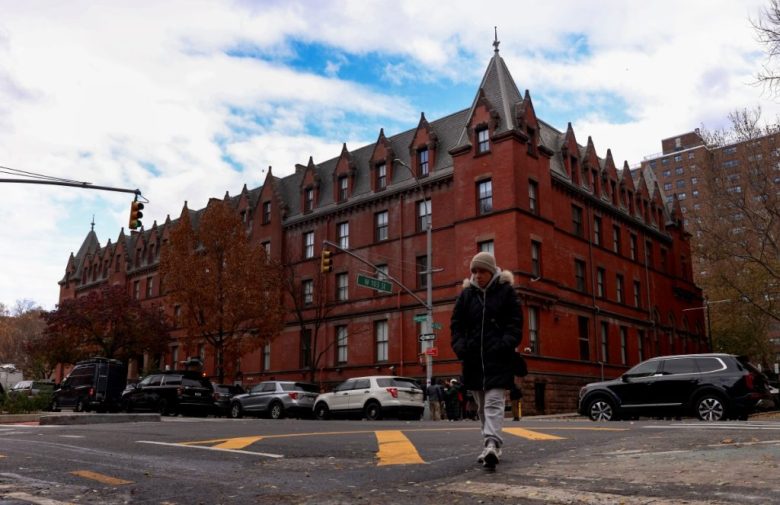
(433, 351)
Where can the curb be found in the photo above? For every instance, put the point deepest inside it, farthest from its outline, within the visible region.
(70, 419)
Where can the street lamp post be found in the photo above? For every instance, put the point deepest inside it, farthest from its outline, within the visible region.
(428, 325)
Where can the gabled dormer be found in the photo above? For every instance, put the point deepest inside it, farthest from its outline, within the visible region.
(244, 209)
(422, 149)
(483, 123)
(381, 163)
(627, 189)
(657, 206)
(610, 178)
(121, 260)
(571, 155)
(270, 206)
(527, 124)
(591, 168)
(344, 176)
(310, 187)
(676, 213)
(642, 199)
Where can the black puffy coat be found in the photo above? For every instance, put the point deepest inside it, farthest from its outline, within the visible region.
(487, 326)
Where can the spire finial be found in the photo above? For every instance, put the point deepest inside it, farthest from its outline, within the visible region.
(496, 42)
(93, 222)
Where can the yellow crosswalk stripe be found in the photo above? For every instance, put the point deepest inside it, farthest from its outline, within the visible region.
(105, 479)
(237, 443)
(531, 435)
(396, 449)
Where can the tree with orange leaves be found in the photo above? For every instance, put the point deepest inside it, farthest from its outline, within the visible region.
(229, 292)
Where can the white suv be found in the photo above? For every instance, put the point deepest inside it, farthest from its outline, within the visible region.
(372, 397)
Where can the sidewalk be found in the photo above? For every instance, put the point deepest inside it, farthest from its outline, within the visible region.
(57, 418)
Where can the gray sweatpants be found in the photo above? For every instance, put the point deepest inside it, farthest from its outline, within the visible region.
(490, 408)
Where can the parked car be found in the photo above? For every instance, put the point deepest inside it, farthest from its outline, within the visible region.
(276, 399)
(372, 397)
(32, 388)
(171, 393)
(710, 386)
(93, 384)
(223, 394)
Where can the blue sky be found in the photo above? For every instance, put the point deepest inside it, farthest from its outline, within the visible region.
(187, 100)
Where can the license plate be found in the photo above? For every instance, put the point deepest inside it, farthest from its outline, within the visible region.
(197, 394)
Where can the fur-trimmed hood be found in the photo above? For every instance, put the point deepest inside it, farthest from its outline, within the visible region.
(502, 276)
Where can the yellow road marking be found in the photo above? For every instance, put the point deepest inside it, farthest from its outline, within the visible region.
(531, 435)
(396, 449)
(105, 479)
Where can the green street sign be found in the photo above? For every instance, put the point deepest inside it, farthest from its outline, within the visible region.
(376, 284)
(420, 318)
(437, 326)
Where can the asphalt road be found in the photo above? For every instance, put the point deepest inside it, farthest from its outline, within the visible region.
(214, 461)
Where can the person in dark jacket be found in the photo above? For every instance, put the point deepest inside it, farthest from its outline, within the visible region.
(486, 328)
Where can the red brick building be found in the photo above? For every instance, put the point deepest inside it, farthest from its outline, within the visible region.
(601, 264)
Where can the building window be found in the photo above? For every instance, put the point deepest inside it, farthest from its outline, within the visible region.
(307, 291)
(485, 246)
(679, 171)
(341, 344)
(485, 196)
(616, 239)
(533, 329)
(604, 342)
(380, 220)
(600, 274)
(137, 290)
(343, 188)
(579, 275)
(267, 356)
(680, 184)
(678, 158)
(305, 357)
(266, 212)
(308, 244)
(533, 196)
(422, 269)
(483, 140)
(619, 288)
(423, 214)
(381, 272)
(576, 220)
(267, 248)
(422, 162)
(584, 338)
(536, 259)
(623, 345)
(667, 186)
(649, 253)
(149, 286)
(637, 294)
(663, 259)
(177, 316)
(381, 339)
(342, 287)
(381, 176)
(597, 230)
(308, 200)
(667, 173)
(640, 345)
(632, 246)
(343, 230)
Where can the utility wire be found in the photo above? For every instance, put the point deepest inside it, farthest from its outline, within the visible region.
(34, 175)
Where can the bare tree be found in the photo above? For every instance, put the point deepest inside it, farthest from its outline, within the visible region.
(767, 28)
(736, 221)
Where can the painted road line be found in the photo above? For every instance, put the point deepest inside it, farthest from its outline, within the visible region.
(105, 479)
(396, 449)
(531, 435)
(227, 443)
(191, 445)
(557, 494)
(28, 498)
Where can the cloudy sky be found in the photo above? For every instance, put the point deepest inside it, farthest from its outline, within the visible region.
(188, 99)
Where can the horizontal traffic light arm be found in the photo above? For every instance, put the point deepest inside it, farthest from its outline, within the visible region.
(83, 185)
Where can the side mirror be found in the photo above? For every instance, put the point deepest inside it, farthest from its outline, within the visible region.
(625, 377)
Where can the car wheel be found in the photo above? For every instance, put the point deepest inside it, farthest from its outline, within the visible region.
(276, 411)
(710, 407)
(601, 409)
(236, 411)
(55, 406)
(79, 406)
(373, 411)
(321, 411)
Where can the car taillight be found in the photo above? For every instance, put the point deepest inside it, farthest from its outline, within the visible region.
(180, 391)
(749, 379)
(91, 392)
(293, 395)
(393, 392)
(217, 396)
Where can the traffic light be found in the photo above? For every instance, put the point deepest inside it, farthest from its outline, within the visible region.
(326, 264)
(136, 214)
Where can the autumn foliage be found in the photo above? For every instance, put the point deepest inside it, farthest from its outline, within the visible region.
(228, 291)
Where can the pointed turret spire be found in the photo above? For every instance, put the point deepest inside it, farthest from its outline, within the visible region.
(496, 42)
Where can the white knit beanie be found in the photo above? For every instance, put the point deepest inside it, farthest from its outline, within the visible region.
(485, 261)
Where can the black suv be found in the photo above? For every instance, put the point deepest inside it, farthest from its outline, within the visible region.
(710, 386)
(171, 393)
(94, 383)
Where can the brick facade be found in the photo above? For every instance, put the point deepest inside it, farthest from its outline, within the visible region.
(498, 178)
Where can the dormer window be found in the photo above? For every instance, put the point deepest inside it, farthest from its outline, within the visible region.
(308, 199)
(483, 140)
(531, 140)
(381, 176)
(422, 162)
(266, 212)
(343, 188)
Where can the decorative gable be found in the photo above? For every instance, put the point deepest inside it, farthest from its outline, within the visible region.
(591, 168)
(571, 154)
(381, 163)
(483, 122)
(627, 189)
(609, 177)
(527, 124)
(310, 187)
(422, 149)
(344, 176)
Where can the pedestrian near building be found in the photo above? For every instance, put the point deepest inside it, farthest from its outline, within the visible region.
(435, 398)
(486, 328)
